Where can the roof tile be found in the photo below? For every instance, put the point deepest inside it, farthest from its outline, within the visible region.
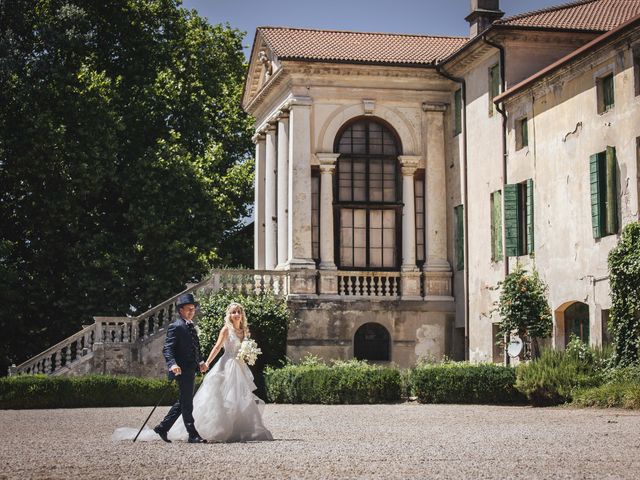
(591, 15)
(334, 45)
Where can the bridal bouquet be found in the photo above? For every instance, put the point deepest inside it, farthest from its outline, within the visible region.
(248, 351)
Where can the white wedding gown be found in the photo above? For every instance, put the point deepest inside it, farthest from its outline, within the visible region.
(224, 407)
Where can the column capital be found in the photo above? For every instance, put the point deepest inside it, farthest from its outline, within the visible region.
(258, 137)
(327, 158)
(270, 127)
(434, 106)
(297, 101)
(283, 114)
(409, 163)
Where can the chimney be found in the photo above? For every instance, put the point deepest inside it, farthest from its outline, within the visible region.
(483, 14)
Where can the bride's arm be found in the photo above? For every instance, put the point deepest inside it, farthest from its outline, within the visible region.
(216, 348)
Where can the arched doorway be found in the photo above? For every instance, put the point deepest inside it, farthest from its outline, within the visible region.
(372, 342)
(368, 196)
(576, 322)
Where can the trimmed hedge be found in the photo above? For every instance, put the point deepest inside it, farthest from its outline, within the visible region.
(342, 382)
(461, 382)
(41, 391)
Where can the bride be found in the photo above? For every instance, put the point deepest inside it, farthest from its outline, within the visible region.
(224, 407)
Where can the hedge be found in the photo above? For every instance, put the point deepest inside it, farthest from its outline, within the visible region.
(41, 391)
(461, 382)
(342, 382)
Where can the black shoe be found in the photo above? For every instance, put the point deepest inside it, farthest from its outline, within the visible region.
(196, 439)
(162, 433)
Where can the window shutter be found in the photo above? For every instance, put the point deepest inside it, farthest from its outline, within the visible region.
(594, 175)
(458, 111)
(612, 191)
(459, 211)
(530, 242)
(496, 226)
(525, 133)
(511, 219)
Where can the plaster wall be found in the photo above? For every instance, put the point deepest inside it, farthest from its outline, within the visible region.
(564, 131)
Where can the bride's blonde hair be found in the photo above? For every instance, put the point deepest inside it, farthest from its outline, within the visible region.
(243, 325)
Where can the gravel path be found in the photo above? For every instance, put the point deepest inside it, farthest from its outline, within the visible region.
(319, 442)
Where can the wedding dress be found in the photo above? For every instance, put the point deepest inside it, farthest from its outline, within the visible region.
(224, 407)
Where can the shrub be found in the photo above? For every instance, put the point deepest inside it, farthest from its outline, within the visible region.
(461, 382)
(313, 381)
(553, 378)
(41, 391)
(268, 318)
(617, 395)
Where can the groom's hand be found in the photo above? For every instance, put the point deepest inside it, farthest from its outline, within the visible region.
(176, 370)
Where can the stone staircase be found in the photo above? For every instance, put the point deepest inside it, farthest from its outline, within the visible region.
(133, 345)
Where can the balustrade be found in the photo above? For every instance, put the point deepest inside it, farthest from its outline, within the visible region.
(369, 284)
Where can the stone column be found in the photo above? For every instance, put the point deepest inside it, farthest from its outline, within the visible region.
(270, 234)
(328, 278)
(436, 267)
(410, 273)
(258, 207)
(283, 189)
(299, 224)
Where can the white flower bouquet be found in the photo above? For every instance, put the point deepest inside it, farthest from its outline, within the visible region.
(248, 352)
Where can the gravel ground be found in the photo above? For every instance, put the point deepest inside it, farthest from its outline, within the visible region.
(347, 441)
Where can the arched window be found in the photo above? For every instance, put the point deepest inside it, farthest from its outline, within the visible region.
(368, 206)
(372, 342)
(576, 322)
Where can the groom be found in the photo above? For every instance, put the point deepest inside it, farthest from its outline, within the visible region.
(182, 354)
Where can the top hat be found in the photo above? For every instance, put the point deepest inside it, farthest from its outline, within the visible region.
(186, 299)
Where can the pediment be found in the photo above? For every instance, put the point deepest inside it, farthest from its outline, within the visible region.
(263, 65)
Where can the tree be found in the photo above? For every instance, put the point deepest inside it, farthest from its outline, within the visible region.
(624, 278)
(124, 159)
(523, 307)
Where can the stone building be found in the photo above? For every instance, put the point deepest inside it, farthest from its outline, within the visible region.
(384, 163)
(399, 178)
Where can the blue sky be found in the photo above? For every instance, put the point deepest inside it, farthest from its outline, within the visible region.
(431, 17)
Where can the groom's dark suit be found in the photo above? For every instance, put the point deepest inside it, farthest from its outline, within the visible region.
(182, 348)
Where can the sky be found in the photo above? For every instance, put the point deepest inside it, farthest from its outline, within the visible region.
(427, 17)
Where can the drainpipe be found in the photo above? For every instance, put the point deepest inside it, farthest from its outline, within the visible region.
(503, 114)
(463, 96)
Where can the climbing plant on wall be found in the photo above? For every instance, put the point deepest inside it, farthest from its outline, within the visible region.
(624, 279)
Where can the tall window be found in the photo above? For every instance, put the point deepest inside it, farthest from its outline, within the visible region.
(496, 226)
(368, 206)
(603, 172)
(636, 70)
(457, 105)
(604, 86)
(522, 133)
(420, 236)
(315, 214)
(459, 236)
(518, 218)
(494, 86)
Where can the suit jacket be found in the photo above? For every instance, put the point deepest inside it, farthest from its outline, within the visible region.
(179, 347)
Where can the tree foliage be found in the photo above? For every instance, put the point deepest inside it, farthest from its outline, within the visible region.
(523, 306)
(624, 278)
(124, 159)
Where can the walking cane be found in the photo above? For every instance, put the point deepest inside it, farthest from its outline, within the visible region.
(154, 409)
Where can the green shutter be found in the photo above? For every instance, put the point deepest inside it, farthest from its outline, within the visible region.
(530, 242)
(458, 111)
(459, 213)
(494, 86)
(511, 220)
(612, 191)
(496, 226)
(594, 178)
(607, 92)
(525, 132)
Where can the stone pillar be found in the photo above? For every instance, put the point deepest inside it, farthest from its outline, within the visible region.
(283, 189)
(328, 278)
(299, 224)
(436, 267)
(270, 233)
(410, 273)
(258, 207)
